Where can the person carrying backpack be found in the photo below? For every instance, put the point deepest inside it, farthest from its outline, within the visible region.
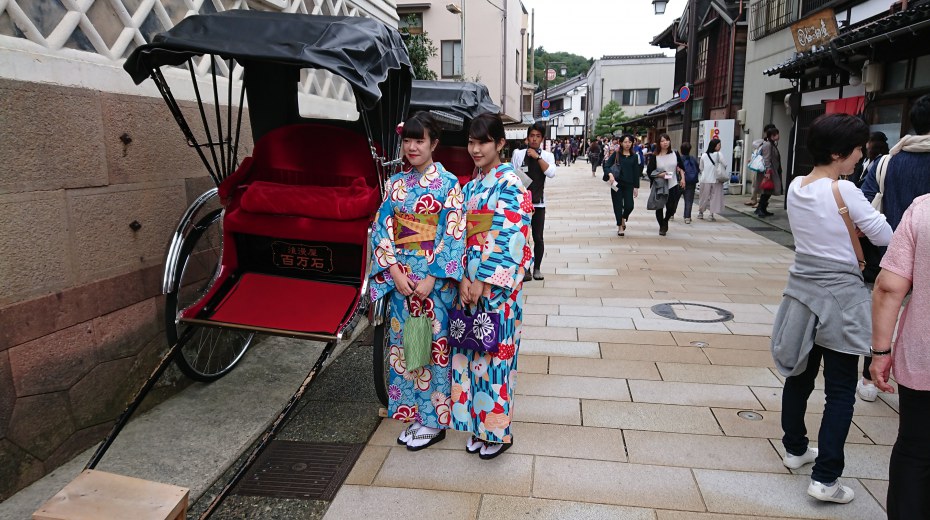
(692, 172)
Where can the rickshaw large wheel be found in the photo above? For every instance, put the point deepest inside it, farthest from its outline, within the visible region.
(381, 363)
(212, 352)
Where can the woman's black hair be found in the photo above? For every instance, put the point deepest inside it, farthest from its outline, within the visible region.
(878, 149)
(920, 115)
(658, 144)
(420, 124)
(685, 148)
(770, 132)
(712, 145)
(835, 134)
(487, 128)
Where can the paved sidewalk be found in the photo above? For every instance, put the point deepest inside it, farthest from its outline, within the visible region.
(622, 413)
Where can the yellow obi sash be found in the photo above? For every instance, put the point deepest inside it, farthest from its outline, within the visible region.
(477, 225)
(415, 232)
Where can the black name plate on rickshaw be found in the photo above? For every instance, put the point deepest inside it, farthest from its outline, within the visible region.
(302, 256)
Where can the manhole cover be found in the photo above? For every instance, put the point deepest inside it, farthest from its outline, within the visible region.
(750, 416)
(692, 312)
(701, 344)
(302, 470)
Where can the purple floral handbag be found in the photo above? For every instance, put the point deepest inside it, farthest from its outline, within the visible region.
(478, 330)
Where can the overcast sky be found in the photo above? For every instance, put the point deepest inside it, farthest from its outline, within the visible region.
(594, 28)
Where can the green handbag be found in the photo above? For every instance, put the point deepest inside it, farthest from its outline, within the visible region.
(418, 339)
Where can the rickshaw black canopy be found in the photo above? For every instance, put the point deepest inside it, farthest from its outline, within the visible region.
(463, 99)
(363, 51)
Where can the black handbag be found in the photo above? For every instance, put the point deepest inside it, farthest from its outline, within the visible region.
(872, 254)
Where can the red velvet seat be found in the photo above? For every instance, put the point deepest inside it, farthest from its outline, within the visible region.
(306, 186)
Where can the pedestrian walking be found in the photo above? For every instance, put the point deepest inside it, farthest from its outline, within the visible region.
(770, 182)
(874, 149)
(692, 174)
(892, 188)
(757, 178)
(538, 165)
(574, 150)
(418, 242)
(712, 164)
(557, 152)
(498, 211)
(826, 308)
(666, 174)
(625, 168)
(906, 268)
(594, 156)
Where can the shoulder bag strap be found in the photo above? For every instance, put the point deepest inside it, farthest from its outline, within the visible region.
(881, 169)
(844, 211)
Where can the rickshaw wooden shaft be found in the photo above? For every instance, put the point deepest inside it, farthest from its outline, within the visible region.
(139, 397)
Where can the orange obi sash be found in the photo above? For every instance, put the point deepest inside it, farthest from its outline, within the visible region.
(477, 225)
(415, 232)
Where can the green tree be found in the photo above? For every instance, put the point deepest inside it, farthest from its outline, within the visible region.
(574, 66)
(420, 48)
(610, 119)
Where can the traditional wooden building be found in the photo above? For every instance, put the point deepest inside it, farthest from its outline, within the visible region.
(875, 66)
(719, 66)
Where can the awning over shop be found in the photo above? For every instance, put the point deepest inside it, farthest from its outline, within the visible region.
(515, 131)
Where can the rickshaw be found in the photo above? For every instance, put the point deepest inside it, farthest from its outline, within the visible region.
(454, 104)
(280, 245)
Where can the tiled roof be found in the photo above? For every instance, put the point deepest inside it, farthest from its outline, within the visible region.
(910, 20)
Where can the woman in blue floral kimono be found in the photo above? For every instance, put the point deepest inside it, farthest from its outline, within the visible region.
(496, 257)
(417, 244)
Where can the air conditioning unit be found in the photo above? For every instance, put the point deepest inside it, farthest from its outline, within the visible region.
(873, 75)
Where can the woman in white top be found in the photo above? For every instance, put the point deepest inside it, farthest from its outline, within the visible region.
(666, 166)
(826, 311)
(711, 190)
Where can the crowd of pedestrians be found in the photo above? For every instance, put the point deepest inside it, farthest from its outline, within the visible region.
(858, 193)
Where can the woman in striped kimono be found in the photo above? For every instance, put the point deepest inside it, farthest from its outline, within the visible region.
(496, 257)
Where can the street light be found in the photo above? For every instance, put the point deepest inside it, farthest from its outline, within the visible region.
(459, 10)
(659, 6)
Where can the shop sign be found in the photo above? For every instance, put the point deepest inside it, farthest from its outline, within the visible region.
(815, 30)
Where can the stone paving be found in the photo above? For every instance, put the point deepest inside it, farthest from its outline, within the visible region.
(622, 413)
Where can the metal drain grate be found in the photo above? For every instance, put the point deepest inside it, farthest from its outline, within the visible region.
(301, 470)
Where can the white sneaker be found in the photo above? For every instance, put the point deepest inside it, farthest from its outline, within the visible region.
(835, 492)
(796, 461)
(866, 391)
(687, 221)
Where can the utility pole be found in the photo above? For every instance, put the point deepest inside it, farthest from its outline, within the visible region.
(689, 70)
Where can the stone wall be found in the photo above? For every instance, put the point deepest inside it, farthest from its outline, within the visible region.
(81, 311)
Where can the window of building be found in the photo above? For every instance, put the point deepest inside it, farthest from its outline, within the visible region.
(584, 103)
(922, 71)
(411, 23)
(896, 76)
(452, 58)
(528, 103)
(770, 16)
(701, 71)
(633, 97)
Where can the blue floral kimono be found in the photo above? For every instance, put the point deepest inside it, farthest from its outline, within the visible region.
(414, 201)
(482, 384)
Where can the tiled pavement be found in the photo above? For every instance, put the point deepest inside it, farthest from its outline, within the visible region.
(618, 413)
